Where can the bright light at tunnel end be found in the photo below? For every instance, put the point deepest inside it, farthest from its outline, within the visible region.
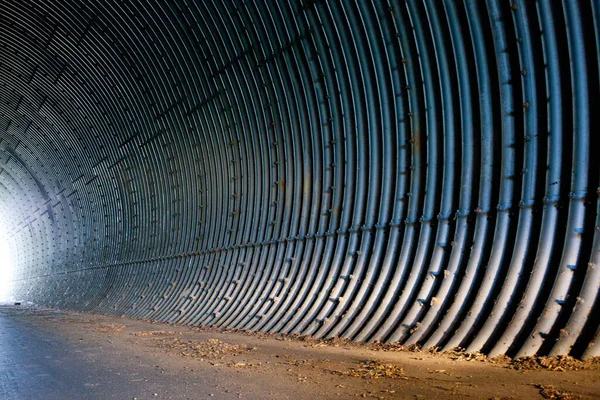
(6, 271)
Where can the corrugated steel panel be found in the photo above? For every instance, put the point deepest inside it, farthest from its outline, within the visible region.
(422, 172)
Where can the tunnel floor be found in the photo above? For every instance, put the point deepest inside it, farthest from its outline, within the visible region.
(52, 354)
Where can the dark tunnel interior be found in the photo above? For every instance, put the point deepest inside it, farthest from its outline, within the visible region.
(422, 172)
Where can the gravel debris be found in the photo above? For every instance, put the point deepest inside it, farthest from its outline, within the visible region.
(109, 328)
(551, 393)
(374, 369)
(211, 349)
(156, 333)
(558, 363)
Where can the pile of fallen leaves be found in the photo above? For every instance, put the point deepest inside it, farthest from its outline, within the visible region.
(463, 355)
(373, 369)
(558, 363)
(457, 354)
(395, 346)
(208, 349)
(109, 328)
(156, 333)
(551, 393)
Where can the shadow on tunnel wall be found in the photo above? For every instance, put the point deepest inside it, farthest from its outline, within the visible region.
(423, 172)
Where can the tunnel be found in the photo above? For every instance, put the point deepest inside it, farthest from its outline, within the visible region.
(416, 172)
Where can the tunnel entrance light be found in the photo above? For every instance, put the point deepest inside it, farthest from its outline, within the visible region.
(6, 271)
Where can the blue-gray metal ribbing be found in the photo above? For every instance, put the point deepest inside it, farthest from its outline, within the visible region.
(552, 184)
(465, 290)
(524, 225)
(579, 183)
(590, 291)
(421, 172)
(449, 274)
(431, 143)
(491, 277)
(410, 318)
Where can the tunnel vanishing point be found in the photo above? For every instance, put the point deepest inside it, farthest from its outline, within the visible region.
(423, 172)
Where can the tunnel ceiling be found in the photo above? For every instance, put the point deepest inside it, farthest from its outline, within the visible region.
(422, 172)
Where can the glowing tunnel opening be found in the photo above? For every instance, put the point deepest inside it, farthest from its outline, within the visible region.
(6, 270)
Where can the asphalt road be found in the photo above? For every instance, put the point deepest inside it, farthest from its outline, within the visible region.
(39, 364)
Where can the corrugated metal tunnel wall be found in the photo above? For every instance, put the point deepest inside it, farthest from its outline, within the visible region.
(416, 171)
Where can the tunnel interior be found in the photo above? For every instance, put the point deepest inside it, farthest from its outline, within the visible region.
(421, 172)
